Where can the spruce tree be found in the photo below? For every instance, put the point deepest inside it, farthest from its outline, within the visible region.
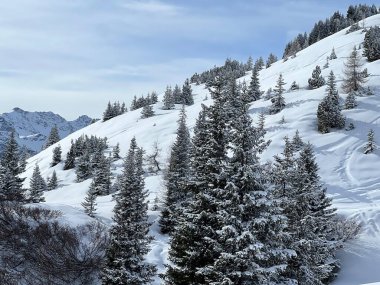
(278, 101)
(271, 59)
(70, 158)
(108, 113)
(329, 113)
(168, 99)
(89, 203)
(372, 44)
(53, 181)
(102, 176)
(187, 94)
(37, 186)
(370, 146)
(11, 187)
(353, 74)
(83, 168)
(153, 97)
(350, 101)
(57, 153)
(147, 111)
(176, 176)
(254, 92)
(177, 95)
(297, 142)
(52, 138)
(316, 80)
(310, 222)
(249, 216)
(333, 55)
(129, 243)
(194, 245)
(116, 152)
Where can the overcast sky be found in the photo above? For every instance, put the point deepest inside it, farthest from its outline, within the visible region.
(73, 56)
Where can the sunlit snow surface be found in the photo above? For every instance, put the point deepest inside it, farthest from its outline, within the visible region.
(352, 178)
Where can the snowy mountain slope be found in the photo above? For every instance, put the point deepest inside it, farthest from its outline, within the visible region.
(350, 176)
(33, 128)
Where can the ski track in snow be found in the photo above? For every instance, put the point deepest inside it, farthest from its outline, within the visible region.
(351, 177)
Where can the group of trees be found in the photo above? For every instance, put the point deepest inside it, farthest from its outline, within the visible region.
(178, 96)
(234, 220)
(137, 103)
(330, 26)
(114, 110)
(372, 43)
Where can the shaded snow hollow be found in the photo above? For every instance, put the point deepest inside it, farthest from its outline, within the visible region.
(350, 176)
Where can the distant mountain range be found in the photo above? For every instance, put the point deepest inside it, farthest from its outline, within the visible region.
(32, 128)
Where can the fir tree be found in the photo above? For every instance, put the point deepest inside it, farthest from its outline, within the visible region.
(249, 217)
(83, 169)
(89, 203)
(129, 244)
(116, 152)
(177, 95)
(108, 113)
(11, 186)
(147, 111)
(333, 55)
(254, 92)
(102, 176)
(316, 80)
(353, 74)
(329, 113)
(372, 44)
(271, 59)
(278, 101)
(70, 158)
(187, 94)
(37, 186)
(176, 176)
(153, 97)
(297, 141)
(168, 99)
(194, 245)
(52, 182)
(52, 138)
(294, 86)
(310, 222)
(350, 102)
(57, 152)
(370, 146)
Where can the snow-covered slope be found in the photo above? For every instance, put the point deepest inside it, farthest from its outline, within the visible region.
(32, 128)
(351, 177)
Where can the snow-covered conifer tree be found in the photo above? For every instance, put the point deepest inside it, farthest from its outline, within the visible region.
(89, 203)
(147, 111)
(254, 92)
(333, 54)
(187, 94)
(316, 80)
(177, 95)
(168, 99)
(52, 138)
(53, 181)
(329, 111)
(278, 101)
(125, 257)
(37, 186)
(70, 158)
(297, 141)
(116, 152)
(176, 175)
(370, 146)
(83, 168)
(57, 153)
(350, 101)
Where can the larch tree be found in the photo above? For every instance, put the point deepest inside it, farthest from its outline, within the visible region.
(353, 73)
(125, 256)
